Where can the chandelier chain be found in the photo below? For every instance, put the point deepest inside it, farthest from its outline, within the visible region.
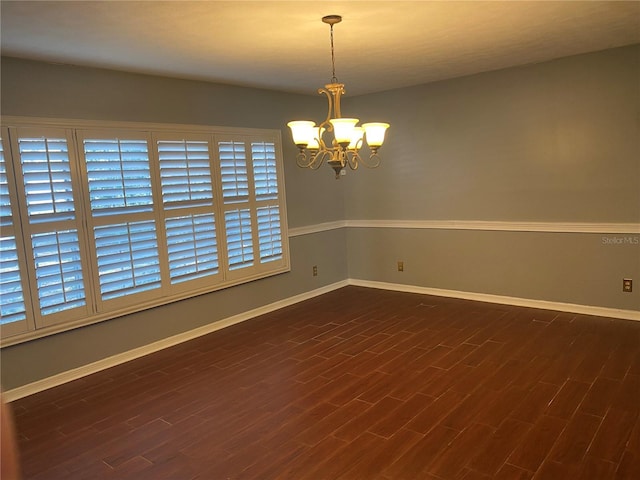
(333, 60)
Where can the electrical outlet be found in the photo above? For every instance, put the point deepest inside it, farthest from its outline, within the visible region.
(315, 270)
(627, 285)
(401, 266)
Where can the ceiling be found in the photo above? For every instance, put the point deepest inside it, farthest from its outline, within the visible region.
(380, 45)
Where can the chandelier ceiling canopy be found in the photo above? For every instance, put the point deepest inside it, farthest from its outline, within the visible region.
(337, 140)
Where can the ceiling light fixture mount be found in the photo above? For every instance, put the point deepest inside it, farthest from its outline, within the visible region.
(348, 138)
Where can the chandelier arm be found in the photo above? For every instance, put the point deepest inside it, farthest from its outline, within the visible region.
(302, 160)
(318, 159)
(373, 161)
(337, 91)
(326, 124)
(353, 159)
(323, 146)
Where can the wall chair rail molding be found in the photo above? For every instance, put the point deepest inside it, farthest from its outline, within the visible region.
(501, 226)
(504, 226)
(317, 228)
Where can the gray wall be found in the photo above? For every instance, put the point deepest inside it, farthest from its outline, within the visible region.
(554, 267)
(556, 141)
(46, 90)
(553, 142)
(38, 359)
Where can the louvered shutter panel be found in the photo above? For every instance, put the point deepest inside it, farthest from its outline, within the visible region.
(193, 251)
(58, 271)
(47, 179)
(118, 175)
(269, 234)
(48, 190)
(185, 175)
(233, 169)
(235, 190)
(239, 240)
(12, 306)
(127, 256)
(121, 199)
(263, 156)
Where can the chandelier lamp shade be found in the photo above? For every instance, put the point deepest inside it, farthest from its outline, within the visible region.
(336, 140)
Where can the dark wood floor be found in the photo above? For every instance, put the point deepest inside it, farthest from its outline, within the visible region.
(357, 384)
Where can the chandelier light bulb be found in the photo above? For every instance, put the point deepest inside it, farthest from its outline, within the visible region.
(375, 133)
(343, 129)
(314, 142)
(302, 132)
(356, 139)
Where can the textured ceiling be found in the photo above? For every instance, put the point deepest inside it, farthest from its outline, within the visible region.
(380, 45)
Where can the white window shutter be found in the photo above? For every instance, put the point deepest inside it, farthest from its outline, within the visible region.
(192, 247)
(233, 171)
(46, 174)
(185, 173)
(58, 271)
(118, 176)
(12, 304)
(269, 234)
(239, 238)
(53, 225)
(122, 213)
(263, 156)
(235, 190)
(188, 207)
(127, 255)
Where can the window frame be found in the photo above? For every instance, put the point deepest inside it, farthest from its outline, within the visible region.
(36, 325)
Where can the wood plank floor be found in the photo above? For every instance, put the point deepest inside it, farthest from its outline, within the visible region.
(357, 384)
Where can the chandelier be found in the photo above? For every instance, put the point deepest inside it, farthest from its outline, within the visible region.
(344, 145)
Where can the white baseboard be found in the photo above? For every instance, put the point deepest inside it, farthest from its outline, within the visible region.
(76, 373)
(504, 300)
